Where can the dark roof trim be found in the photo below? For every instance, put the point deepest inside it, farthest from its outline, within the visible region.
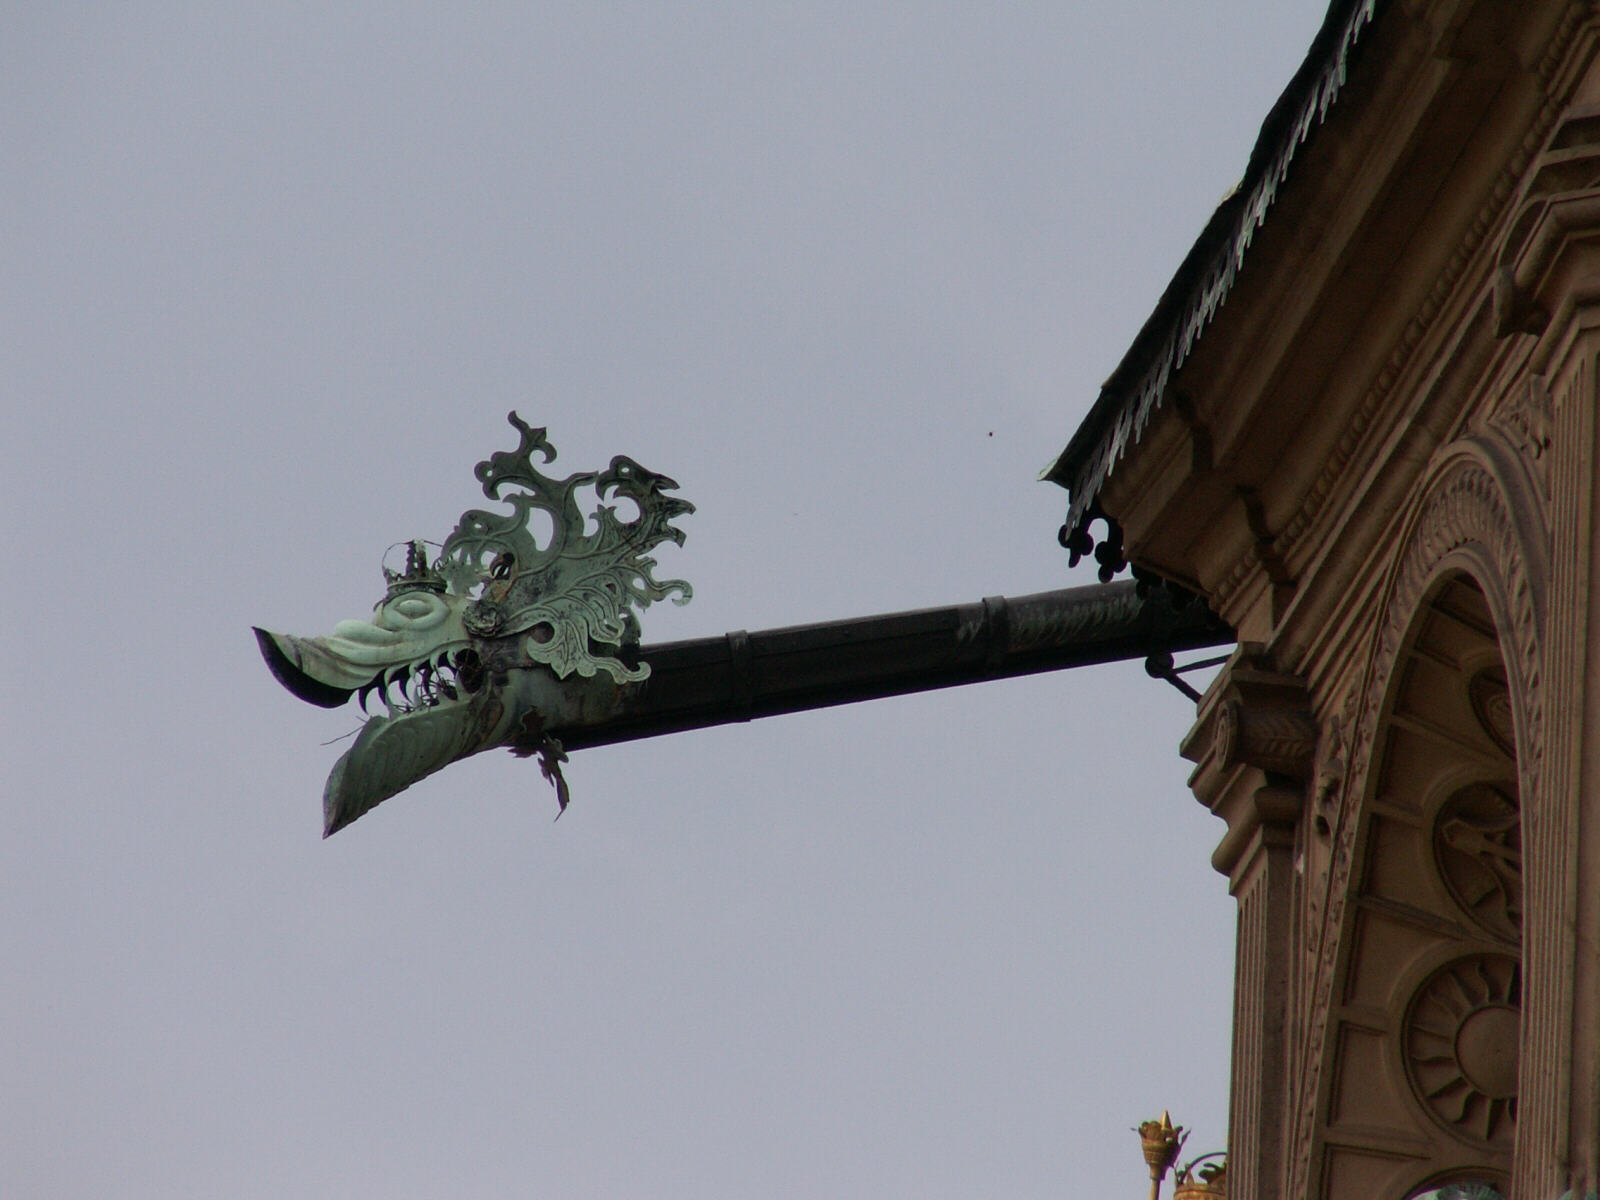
(1139, 384)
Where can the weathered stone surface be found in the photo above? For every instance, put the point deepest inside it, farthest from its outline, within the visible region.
(1377, 462)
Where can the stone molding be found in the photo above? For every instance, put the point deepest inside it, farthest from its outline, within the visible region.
(1572, 42)
(1254, 744)
(1464, 520)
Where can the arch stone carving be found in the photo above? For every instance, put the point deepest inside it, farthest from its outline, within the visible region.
(1479, 511)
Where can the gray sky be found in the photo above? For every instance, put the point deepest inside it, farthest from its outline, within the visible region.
(851, 274)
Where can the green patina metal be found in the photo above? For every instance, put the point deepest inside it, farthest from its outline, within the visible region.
(508, 639)
(501, 634)
(575, 595)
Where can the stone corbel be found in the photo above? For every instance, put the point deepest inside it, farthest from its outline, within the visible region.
(1549, 259)
(1254, 747)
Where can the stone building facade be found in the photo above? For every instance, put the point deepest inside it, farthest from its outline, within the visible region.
(1362, 424)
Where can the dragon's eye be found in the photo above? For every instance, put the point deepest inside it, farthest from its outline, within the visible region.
(502, 565)
(412, 611)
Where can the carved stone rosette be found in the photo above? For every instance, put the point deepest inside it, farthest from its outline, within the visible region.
(1459, 1047)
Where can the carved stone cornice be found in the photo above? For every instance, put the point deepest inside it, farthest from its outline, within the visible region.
(1253, 745)
(1571, 43)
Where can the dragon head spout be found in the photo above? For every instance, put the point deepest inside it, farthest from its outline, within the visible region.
(501, 635)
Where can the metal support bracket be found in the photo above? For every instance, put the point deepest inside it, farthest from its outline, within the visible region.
(1158, 664)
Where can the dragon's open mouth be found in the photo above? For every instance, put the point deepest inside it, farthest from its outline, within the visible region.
(424, 683)
(496, 637)
(426, 720)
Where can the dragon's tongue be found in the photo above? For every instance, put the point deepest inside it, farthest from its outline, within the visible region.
(392, 753)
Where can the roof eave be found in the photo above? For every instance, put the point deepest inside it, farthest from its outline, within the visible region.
(1204, 279)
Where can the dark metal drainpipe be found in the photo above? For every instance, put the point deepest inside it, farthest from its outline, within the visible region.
(740, 676)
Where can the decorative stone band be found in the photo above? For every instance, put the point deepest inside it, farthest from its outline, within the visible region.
(1280, 741)
(1464, 520)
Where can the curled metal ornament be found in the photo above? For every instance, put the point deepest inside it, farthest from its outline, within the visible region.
(500, 625)
(576, 593)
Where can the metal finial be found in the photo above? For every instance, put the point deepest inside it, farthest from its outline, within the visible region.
(1161, 1142)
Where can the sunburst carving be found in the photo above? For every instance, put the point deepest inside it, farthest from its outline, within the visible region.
(1460, 1040)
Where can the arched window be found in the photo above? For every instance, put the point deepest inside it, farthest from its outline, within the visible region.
(1461, 1189)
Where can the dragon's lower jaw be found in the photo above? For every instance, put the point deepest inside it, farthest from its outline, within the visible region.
(411, 742)
(479, 697)
(511, 708)
(392, 753)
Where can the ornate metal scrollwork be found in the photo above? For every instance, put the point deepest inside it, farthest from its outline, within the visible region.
(576, 594)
